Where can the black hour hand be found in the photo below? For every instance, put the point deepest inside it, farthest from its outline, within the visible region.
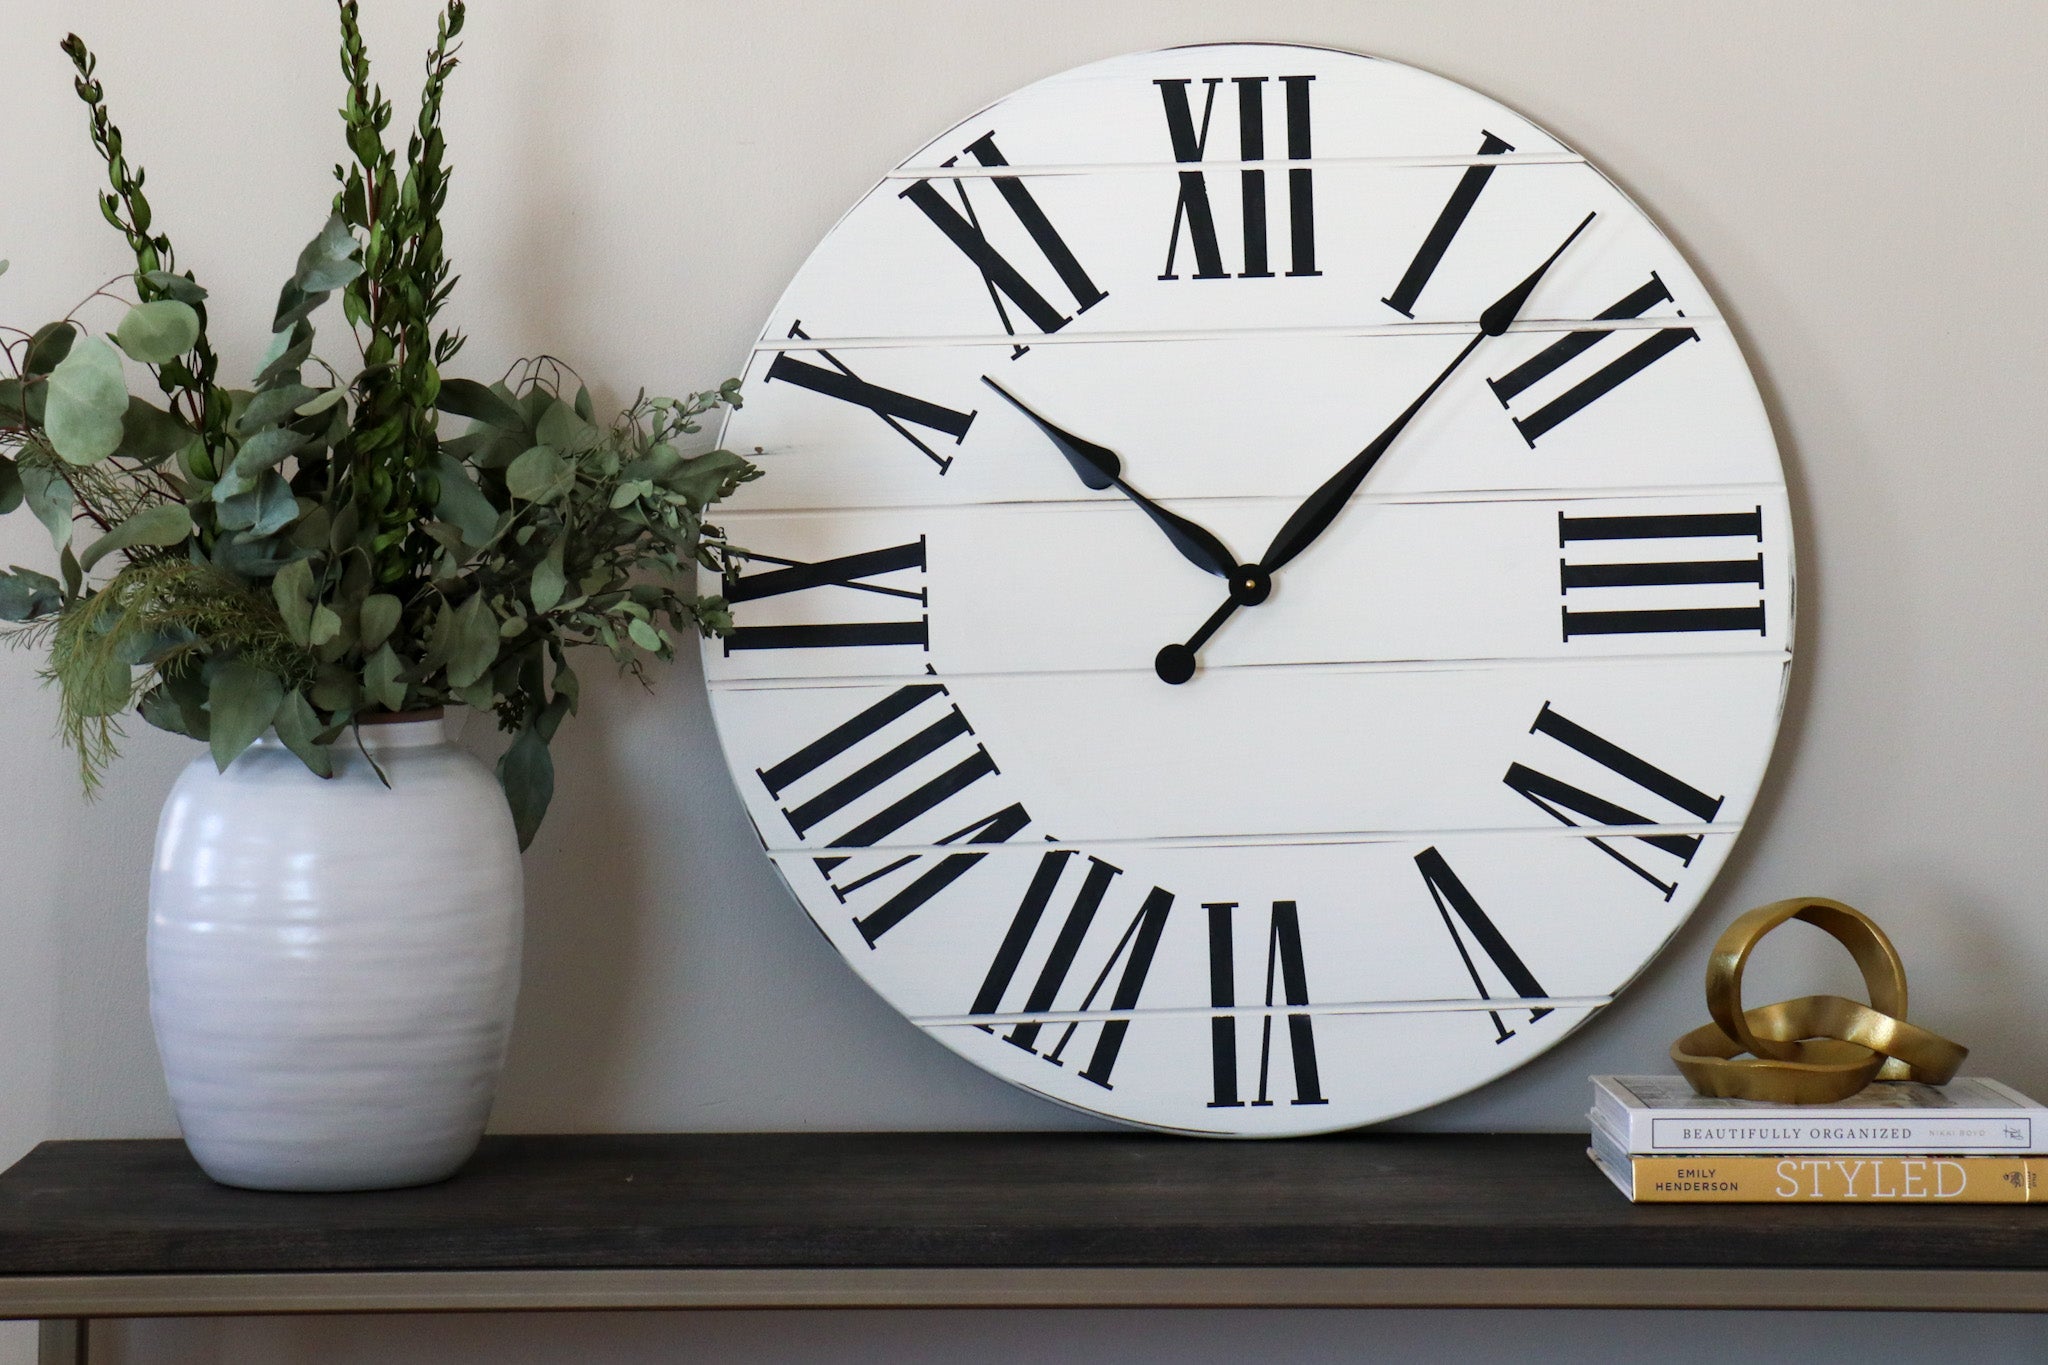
(1098, 467)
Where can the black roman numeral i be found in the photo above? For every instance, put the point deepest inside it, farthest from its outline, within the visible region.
(1133, 952)
(851, 572)
(898, 411)
(1192, 213)
(1677, 573)
(1285, 967)
(1560, 800)
(1456, 209)
(962, 227)
(1459, 907)
(1581, 395)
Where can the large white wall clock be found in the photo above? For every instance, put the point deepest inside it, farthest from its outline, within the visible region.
(1272, 594)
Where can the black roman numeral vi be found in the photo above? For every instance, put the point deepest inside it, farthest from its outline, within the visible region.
(1459, 907)
(844, 571)
(1601, 382)
(1679, 573)
(899, 411)
(1192, 213)
(1560, 800)
(1284, 966)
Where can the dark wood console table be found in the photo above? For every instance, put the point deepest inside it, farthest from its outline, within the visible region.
(834, 1220)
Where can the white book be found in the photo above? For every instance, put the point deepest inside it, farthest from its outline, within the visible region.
(1648, 1114)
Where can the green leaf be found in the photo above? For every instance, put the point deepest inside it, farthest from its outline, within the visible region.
(174, 286)
(329, 260)
(384, 679)
(10, 485)
(320, 403)
(158, 331)
(150, 435)
(262, 510)
(48, 347)
(645, 635)
(561, 428)
(299, 727)
(49, 497)
(178, 704)
(325, 626)
(472, 642)
(292, 589)
(167, 523)
(288, 351)
(540, 475)
(241, 701)
(377, 618)
(272, 406)
(87, 400)
(264, 451)
(548, 580)
(527, 773)
(463, 504)
(479, 403)
(26, 594)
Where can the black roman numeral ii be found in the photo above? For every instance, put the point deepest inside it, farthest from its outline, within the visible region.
(844, 571)
(1601, 382)
(929, 724)
(1133, 951)
(1192, 212)
(1678, 573)
(1456, 209)
(1284, 965)
(963, 229)
(1459, 907)
(1560, 800)
(899, 411)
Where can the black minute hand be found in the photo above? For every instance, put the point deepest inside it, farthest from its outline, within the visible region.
(1100, 468)
(1320, 508)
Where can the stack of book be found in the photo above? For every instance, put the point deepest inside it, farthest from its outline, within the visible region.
(1971, 1141)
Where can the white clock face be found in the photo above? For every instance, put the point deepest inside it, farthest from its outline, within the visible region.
(1356, 826)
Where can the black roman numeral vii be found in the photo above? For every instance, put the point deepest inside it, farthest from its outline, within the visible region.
(1456, 209)
(899, 411)
(844, 571)
(1284, 964)
(1601, 382)
(1560, 800)
(1660, 573)
(879, 800)
(1133, 951)
(1004, 280)
(1459, 907)
(1192, 211)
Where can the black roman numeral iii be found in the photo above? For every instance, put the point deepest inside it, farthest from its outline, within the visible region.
(963, 229)
(1133, 951)
(1456, 209)
(1560, 800)
(844, 571)
(880, 800)
(899, 411)
(1458, 907)
(1192, 213)
(1284, 966)
(1581, 395)
(1584, 578)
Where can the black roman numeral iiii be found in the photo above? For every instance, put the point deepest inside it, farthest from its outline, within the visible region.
(1560, 800)
(963, 229)
(1459, 907)
(1676, 573)
(844, 571)
(1284, 964)
(1601, 382)
(1456, 209)
(1192, 212)
(1133, 951)
(899, 411)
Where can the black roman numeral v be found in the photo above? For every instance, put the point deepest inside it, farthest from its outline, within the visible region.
(1134, 950)
(1192, 211)
(899, 411)
(1601, 382)
(1285, 967)
(1453, 900)
(1675, 573)
(963, 229)
(1560, 800)
(844, 571)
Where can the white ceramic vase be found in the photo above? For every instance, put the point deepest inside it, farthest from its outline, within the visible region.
(333, 963)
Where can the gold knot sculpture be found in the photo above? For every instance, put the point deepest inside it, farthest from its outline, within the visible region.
(1817, 1048)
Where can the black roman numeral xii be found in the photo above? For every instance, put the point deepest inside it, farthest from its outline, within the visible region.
(1192, 212)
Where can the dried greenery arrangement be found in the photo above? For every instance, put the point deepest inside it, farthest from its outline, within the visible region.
(311, 550)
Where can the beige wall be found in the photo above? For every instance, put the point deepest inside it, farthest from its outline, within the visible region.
(1859, 183)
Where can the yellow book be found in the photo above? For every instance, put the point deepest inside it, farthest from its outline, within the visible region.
(1814, 1178)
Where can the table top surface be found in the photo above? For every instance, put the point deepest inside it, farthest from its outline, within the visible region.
(645, 1201)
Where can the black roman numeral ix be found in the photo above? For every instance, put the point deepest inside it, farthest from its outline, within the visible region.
(1285, 967)
(929, 724)
(1192, 212)
(895, 409)
(1601, 382)
(1456, 209)
(844, 571)
(1660, 573)
(1459, 907)
(962, 227)
(1560, 800)
(1133, 951)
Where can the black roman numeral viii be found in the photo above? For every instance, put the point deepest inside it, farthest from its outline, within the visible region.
(1456, 209)
(882, 795)
(1284, 967)
(963, 229)
(899, 411)
(1132, 952)
(1192, 213)
(1673, 573)
(1576, 399)
(1560, 800)
(1459, 908)
(844, 571)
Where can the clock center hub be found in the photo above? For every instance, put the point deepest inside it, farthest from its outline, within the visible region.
(1250, 585)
